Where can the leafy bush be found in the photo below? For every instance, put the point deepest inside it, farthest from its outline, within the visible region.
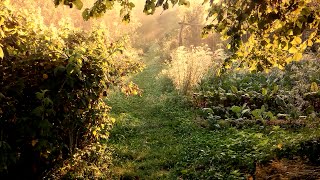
(91, 162)
(52, 85)
(292, 92)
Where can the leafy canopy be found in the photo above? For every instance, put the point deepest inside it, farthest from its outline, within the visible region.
(266, 33)
(101, 6)
(262, 34)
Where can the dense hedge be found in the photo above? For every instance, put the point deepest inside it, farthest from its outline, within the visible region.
(52, 84)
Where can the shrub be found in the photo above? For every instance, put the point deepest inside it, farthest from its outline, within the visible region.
(236, 94)
(189, 66)
(52, 85)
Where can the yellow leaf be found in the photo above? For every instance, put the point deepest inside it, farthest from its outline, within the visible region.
(277, 24)
(276, 43)
(227, 66)
(216, 1)
(286, 47)
(281, 67)
(268, 46)
(134, 92)
(1, 53)
(312, 35)
(279, 146)
(253, 68)
(297, 56)
(288, 60)
(239, 53)
(1, 21)
(218, 72)
(303, 46)
(310, 43)
(94, 133)
(297, 40)
(269, 10)
(293, 50)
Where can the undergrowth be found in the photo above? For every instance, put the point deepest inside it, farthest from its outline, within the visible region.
(239, 95)
(158, 136)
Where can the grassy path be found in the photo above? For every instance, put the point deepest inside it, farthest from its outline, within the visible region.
(147, 137)
(155, 137)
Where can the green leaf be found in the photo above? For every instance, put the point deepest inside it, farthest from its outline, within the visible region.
(38, 111)
(245, 111)
(56, 2)
(126, 18)
(59, 70)
(234, 89)
(40, 95)
(264, 91)
(256, 113)
(174, 2)
(47, 101)
(236, 109)
(184, 2)
(131, 5)
(78, 4)
(207, 111)
(270, 115)
(86, 14)
(165, 5)
(275, 89)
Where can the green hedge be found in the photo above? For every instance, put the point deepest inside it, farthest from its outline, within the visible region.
(52, 84)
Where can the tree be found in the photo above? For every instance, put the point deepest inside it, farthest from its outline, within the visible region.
(262, 34)
(101, 6)
(266, 33)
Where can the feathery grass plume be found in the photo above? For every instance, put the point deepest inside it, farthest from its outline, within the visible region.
(188, 66)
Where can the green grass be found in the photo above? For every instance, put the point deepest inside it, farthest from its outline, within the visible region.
(156, 136)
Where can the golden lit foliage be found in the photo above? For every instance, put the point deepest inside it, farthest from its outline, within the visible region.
(188, 67)
(264, 34)
(52, 14)
(53, 80)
